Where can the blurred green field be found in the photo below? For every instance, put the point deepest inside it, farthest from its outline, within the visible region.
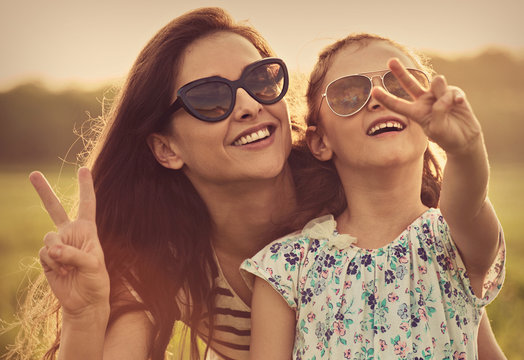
(24, 222)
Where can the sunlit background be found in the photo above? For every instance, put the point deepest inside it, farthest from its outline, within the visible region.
(87, 42)
(60, 58)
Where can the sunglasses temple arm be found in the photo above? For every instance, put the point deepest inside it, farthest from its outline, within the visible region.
(177, 104)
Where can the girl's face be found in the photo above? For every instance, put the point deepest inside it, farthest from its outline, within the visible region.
(348, 137)
(211, 152)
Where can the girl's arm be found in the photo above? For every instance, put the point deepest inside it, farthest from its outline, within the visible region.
(272, 324)
(468, 212)
(447, 118)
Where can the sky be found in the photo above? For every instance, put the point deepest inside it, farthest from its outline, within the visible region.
(74, 42)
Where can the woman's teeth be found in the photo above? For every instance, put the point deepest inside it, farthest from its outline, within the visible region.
(390, 125)
(257, 135)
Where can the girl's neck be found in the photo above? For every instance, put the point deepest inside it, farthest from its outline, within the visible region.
(245, 214)
(382, 202)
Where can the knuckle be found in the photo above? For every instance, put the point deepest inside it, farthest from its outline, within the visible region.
(51, 238)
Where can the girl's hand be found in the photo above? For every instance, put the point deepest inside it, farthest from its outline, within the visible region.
(72, 257)
(441, 110)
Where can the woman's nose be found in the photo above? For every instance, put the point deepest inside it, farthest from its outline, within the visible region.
(246, 108)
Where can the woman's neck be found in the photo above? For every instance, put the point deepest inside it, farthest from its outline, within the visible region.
(245, 214)
(382, 202)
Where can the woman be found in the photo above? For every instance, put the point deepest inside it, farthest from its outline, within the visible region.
(172, 188)
(184, 193)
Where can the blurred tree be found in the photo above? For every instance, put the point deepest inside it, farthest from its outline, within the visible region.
(38, 125)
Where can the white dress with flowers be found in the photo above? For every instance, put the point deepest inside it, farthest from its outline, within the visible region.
(410, 299)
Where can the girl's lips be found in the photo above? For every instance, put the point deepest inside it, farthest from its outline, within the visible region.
(386, 124)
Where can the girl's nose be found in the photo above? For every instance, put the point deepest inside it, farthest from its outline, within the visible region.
(373, 104)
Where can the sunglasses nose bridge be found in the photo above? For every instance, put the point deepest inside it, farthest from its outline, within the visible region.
(244, 106)
(376, 80)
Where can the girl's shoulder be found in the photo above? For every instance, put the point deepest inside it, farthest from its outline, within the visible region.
(430, 222)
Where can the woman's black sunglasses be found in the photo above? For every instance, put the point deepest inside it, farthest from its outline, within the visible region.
(213, 98)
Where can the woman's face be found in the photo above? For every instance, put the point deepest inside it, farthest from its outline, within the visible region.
(211, 152)
(348, 137)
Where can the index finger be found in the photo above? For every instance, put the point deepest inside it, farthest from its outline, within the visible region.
(87, 201)
(408, 81)
(49, 199)
(393, 103)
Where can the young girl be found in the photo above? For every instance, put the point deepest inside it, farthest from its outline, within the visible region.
(390, 275)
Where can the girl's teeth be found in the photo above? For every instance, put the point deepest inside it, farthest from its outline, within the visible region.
(257, 135)
(388, 124)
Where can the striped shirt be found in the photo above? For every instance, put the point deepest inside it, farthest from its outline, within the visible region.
(232, 326)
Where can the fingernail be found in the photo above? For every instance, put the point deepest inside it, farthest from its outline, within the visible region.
(55, 251)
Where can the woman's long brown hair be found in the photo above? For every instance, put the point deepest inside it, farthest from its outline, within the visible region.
(151, 221)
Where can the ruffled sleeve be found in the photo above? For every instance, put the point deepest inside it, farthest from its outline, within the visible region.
(279, 264)
(450, 261)
(284, 263)
(496, 273)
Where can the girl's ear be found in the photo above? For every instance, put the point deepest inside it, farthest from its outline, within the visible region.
(317, 144)
(164, 150)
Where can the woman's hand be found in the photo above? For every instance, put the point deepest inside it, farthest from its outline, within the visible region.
(441, 110)
(72, 257)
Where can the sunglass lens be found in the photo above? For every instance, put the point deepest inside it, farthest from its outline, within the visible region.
(265, 82)
(210, 100)
(347, 95)
(421, 77)
(394, 87)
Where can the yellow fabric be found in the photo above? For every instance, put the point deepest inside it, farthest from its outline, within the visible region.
(180, 345)
(232, 327)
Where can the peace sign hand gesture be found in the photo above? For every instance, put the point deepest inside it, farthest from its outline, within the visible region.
(442, 111)
(72, 257)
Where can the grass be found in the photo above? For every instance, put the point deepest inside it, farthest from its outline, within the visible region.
(24, 223)
(507, 317)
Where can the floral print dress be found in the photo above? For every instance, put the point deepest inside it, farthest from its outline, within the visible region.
(410, 299)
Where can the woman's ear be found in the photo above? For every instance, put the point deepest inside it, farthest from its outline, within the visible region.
(165, 151)
(317, 144)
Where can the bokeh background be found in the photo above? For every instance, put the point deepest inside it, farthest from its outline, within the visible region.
(63, 61)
